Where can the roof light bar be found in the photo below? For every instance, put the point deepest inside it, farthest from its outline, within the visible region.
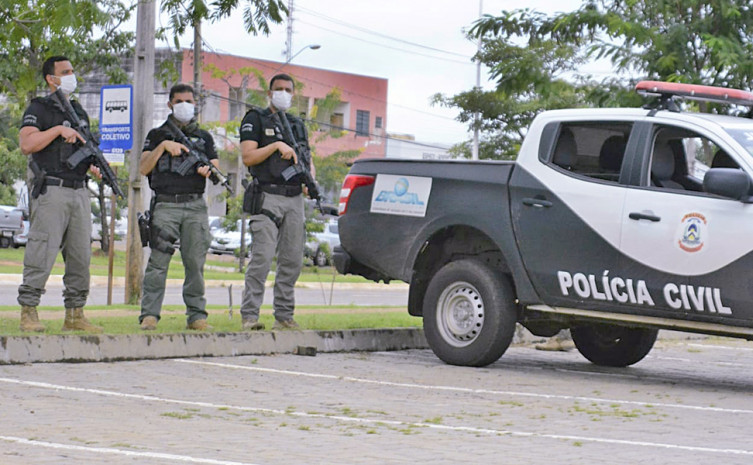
(668, 90)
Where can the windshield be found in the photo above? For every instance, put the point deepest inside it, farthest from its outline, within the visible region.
(744, 136)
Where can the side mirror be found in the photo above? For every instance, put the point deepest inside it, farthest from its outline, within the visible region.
(732, 183)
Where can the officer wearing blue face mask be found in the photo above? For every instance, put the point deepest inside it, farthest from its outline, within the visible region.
(178, 210)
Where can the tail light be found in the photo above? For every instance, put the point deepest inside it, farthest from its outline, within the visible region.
(351, 183)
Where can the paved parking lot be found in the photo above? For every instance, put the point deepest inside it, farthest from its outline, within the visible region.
(689, 402)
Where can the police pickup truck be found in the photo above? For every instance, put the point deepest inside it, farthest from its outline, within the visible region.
(614, 223)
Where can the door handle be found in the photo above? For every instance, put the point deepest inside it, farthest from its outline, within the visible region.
(537, 202)
(644, 216)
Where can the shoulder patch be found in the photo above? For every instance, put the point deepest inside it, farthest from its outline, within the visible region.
(30, 120)
(247, 127)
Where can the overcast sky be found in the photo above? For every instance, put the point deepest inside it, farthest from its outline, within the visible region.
(375, 38)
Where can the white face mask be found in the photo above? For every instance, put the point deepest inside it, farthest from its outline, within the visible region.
(68, 83)
(281, 100)
(183, 111)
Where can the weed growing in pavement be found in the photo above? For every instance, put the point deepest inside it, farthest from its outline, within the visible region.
(124, 445)
(434, 421)
(511, 403)
(348, 412)
(178, 415)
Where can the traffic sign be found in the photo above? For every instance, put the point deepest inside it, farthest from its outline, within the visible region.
(116, 122)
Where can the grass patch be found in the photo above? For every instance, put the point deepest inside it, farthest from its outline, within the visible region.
(11, 262)
(171, 323)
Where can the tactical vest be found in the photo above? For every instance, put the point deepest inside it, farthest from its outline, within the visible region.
(164, 178)
(270, 170)
(52, 159)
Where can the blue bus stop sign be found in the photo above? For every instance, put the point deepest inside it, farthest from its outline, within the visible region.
(116, 122)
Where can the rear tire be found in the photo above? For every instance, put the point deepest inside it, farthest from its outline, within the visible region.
(5, 242)
(469, 313)
(612, 345)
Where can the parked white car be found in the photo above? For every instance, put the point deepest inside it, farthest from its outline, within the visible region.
(226, 242)
(316, 249)
(20, 239)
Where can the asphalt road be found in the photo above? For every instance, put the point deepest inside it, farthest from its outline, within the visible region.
(317, 294)
(689, 402)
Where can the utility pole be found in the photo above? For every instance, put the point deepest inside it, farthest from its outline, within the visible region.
(474, 148)
(289, 39)
(197, 67)
(143, 99)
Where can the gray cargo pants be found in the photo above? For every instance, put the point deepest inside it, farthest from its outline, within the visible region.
(60, 221)
(287, 243)
(188, 221)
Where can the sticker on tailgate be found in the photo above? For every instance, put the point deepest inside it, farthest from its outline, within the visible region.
(400, 195)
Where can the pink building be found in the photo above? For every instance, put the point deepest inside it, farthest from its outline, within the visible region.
(360, 117)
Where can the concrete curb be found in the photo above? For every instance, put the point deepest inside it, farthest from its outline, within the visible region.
(106, 348)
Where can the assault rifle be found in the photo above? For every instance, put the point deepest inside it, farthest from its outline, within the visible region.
(197, 157)
(304, 157)
(89, 151)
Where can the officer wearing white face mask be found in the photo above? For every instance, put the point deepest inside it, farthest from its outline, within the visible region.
(60, 210)
(178, 210)
(279, 229)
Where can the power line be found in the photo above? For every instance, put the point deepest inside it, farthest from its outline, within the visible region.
(369, 97)
(376, 33)
(385, 46)
(332, 126)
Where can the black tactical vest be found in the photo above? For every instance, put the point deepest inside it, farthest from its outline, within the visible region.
(270, 170)
(164, 178)
(52, 159)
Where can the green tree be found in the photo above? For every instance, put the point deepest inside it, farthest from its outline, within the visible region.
(257, 14)
(86, 31)
(331, 171)
(536, 59)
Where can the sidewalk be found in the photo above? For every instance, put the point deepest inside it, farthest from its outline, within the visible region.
(101, 281)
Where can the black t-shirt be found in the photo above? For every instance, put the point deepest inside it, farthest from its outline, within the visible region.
(44, 113)
(162, 178)
(251, 128)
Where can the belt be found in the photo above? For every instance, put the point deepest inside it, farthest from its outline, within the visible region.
(177, 198)
(288, 190)
(71, 183)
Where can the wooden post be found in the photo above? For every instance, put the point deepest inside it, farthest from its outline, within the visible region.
(197, 65)
(143, 105)
(111, 243)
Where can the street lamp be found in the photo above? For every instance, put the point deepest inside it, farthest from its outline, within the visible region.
(311, 46)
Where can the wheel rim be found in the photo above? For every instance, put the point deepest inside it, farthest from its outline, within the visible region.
(460, 314)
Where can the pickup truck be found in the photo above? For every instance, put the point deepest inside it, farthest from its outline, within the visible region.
(11, 223)
(614, 223)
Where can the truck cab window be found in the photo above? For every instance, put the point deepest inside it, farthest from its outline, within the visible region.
(593, 150)
(680, 159)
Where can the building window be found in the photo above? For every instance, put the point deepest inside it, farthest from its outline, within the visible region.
(336, 121)
(362, 123)
(237, 106)
(378, 122)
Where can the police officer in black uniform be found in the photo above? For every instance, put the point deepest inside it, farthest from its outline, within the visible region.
(179, 210)
(60, 213)
(279, 229)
